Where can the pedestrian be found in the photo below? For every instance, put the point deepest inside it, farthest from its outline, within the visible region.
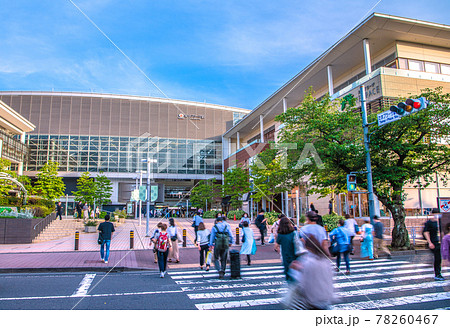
(352, 228)
(195, 223)
(330, 207)
(203, 244)
(219, 242)
(79, 209)
(319, 218)
(430, 232)
(286, 240)
(163, 244)
(312, 207)
(174, 237)
(155, 237)
(244, 218)
(343, 242)
(445, 247)
(274, 232)
(313, 279)
(248, 242)
(59, 210)
(312, 228)
(97, 213)
(260, 222)
(106, 229)
(85, 212)
(378, 241)
(367, 239)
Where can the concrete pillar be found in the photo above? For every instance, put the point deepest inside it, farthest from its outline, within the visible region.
(367, 56)
(284, 105)
(261, 127)
(330, 80)
(238, 141)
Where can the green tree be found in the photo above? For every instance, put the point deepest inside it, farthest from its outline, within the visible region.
(48, 184)
(236, 184)
(203, 194)
(402, 152)
(86, 189)
(104, 189)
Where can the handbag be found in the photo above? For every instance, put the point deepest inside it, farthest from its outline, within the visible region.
(334, 247)
(208, 258)
(100, 239)
(174, 238)
(271, 238)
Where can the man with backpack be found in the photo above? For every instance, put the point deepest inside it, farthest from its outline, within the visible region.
(219, 242)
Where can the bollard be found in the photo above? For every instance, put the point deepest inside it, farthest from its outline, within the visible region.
(184, 237)
(131, 239)
(237, 236)
(77, 240)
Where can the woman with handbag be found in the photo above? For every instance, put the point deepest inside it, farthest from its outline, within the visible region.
(367, 239)
(343, 245)
(203, 245)
(173, 235)
(248, 242)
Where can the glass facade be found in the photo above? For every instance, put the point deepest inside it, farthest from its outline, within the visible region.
(125, 154)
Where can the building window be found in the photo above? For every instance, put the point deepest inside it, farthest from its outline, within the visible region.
(403, 63)
(415, 65)
(432, 67)
(445, 69)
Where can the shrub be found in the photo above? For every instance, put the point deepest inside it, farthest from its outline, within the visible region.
(239, 214)
(271, 217)
(40, 211)
(92, 223)
(330, 221)
(102, 214)
(210, 214)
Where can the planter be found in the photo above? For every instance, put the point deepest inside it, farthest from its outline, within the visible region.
(90, 229)
(22, 231)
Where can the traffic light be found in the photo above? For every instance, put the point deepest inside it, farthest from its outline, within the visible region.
(351, 182)
(409, 106)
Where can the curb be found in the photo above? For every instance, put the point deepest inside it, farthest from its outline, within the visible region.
(74, 269)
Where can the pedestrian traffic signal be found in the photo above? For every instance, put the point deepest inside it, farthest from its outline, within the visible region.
(409, 106)
(351, 182)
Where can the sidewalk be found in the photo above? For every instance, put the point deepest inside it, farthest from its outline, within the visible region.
(60, 254)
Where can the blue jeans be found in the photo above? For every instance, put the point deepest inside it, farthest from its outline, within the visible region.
(346, 259)
(102, 251)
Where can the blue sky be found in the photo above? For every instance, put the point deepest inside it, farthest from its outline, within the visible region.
(234, 53)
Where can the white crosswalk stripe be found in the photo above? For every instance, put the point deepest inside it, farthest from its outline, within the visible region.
(376, 284)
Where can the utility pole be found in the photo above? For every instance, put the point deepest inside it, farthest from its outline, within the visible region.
(362, 93)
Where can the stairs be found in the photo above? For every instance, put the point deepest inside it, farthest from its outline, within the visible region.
(58, 229)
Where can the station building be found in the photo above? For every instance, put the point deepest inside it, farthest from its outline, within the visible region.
(392, 57)
(117, 135)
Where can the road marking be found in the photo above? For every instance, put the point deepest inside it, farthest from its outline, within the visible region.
(396, 301)
(237, 304)
(83, 288)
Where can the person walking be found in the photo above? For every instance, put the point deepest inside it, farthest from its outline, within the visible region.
(352, 228)
(313, 286)
(244, 218)
(343, 242)
(312, 228)
(79, 209)
(367, 239)
(260, 222)
(248, 242)
(163, 244)
(286, 240)
(378, 241)
(153, 243)
(174, 237)
(85, 212)
(430, 232)
(203, 244)
(219, 242)
(59, 210)
(196, 221)
(106, 229)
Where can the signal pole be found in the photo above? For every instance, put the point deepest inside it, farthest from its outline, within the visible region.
(362, 93)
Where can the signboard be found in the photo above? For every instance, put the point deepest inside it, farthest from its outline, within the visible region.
(387, 117)
(143, 193)
(444, 204)
(154, 193)
(135, 195)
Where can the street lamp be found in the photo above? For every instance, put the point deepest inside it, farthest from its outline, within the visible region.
(148, 160)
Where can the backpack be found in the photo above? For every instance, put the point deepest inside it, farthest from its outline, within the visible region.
(163, 242)
(222, 238)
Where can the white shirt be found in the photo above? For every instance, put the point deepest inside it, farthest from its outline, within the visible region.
(350, 226)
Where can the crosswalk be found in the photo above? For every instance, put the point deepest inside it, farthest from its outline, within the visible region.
(381, 284)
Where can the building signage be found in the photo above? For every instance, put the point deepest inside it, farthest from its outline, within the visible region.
(387, 117)
(444, 204)
(182, 116)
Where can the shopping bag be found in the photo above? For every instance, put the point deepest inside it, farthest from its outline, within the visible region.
(271, 238)
(208, 258)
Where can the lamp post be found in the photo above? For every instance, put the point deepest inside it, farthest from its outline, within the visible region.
(147, 226)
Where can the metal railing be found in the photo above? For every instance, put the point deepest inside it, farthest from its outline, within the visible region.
(42, 224)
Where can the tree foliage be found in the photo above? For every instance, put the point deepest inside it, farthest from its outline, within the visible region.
(236, 184)
(412, 148)
(203, 194)
(48, 184)
(104, 190)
